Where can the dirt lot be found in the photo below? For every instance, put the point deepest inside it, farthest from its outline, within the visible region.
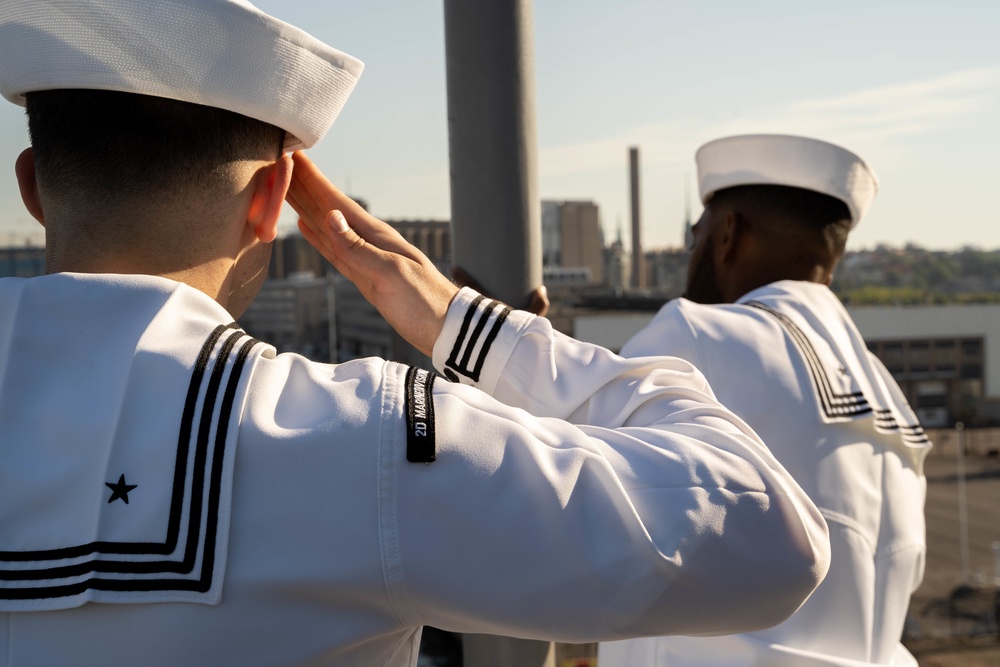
(967, 638)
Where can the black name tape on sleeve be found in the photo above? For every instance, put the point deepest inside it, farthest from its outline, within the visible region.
(420, 447)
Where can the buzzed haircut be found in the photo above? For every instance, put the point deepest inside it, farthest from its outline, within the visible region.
(115, 146)
(805, 216)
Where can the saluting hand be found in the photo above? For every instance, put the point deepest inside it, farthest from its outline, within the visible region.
(398, 279)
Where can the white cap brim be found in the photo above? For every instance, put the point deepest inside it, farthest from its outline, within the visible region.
(778, 159)
(220, 53)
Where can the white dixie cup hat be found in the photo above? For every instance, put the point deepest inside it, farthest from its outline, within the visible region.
(779, 159)
(219, 53)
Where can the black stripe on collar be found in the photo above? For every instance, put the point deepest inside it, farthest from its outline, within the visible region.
(832, 403)
(158, 575)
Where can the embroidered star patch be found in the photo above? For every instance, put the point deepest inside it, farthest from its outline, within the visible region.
(120, 490)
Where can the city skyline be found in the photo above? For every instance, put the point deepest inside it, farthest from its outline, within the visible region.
(912, 87)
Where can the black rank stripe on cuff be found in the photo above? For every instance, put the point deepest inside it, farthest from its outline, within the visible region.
(420, 445)
(462, 361)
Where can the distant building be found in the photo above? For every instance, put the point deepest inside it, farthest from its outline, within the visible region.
(667, 268)
(22, 262)
(432, 237)
(292, 254)
(946, 359)
(572, 238)
(666, 271)
(616, 263)
(558, 278)
(294, 315)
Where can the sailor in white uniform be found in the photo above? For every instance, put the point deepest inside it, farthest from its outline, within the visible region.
(786, 357)
(173, 492)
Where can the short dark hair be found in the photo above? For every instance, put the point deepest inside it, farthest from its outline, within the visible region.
(820, 218)
(806, 206)
(115, 145)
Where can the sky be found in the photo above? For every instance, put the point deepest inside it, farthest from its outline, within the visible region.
(912, 86)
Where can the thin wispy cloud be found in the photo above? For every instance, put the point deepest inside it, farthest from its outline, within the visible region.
(969, 84)
(885, 112)
(655, 139)
(864, 117)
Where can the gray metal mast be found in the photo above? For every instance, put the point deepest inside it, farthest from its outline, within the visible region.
(496, 230)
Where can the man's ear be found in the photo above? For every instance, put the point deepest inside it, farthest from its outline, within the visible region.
(734, 228)
(270, 186)
(27, 183)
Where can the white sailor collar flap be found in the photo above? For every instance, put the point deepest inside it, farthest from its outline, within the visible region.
(149, 522)
(840, 380)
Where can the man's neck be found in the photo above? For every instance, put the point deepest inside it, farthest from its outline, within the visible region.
(176, 248)
(815, 274)
(211, 278)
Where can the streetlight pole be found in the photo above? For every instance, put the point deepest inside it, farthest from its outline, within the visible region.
(963, 518)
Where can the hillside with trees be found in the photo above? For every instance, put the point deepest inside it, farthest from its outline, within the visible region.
(913, 275)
